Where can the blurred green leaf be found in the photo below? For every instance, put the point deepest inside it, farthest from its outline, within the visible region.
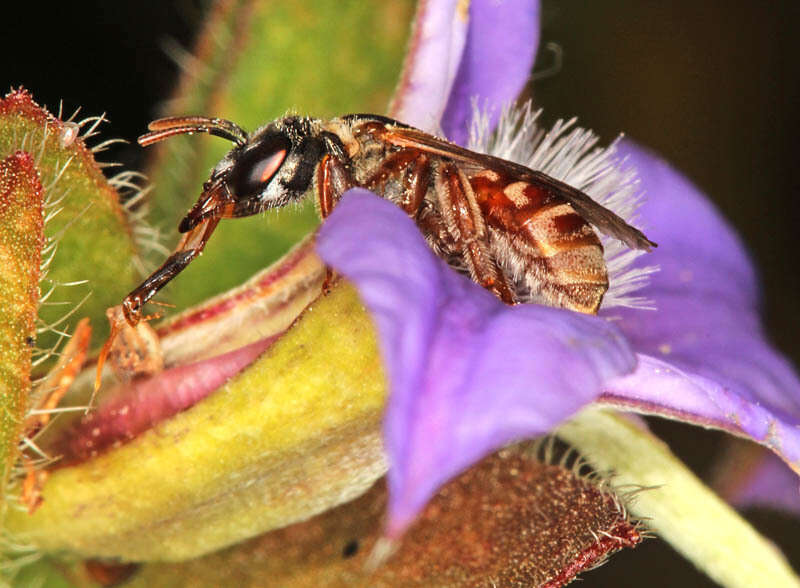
(42, 573)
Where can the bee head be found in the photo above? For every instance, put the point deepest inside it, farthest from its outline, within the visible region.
(266, 169)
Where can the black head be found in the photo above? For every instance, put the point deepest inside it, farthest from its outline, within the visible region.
(266, 169)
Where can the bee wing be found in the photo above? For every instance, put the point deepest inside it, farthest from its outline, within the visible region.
(606, 221)
(603, 219)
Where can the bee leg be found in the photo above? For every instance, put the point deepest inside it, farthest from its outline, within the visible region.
(414, 170)
(190, 246)
(332, 180)
(416, 181)
(401, 164)
(465, 223)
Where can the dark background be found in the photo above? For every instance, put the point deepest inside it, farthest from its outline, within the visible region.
(117, 58)
(712, 85)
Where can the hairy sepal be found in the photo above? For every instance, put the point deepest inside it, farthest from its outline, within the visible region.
(87, 229)
(294, 434)
(21, 243)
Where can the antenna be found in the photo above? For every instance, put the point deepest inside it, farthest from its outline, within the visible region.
(164, 128)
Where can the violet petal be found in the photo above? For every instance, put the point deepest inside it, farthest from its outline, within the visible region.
(434, 53)
(497, 62)
(659, 387)
(771, 485)
(709, 361)
(467, 373)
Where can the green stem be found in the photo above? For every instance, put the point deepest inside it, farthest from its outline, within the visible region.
(680, 508)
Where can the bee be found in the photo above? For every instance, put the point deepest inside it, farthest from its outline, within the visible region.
(519, 233)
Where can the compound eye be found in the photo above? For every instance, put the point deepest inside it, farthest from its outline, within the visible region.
(257, 166)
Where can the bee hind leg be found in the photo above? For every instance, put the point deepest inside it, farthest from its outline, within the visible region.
(464, 221)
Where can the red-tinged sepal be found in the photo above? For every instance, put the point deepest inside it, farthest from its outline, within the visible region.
(21, 242)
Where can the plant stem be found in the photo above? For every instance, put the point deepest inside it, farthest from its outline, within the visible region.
(679, 507)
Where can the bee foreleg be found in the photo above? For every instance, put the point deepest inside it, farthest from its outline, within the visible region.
(333, 179)
(190, 246)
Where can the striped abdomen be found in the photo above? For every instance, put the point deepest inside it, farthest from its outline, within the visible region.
(540, 241)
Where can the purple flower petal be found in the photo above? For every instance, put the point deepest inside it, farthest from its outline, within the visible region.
(658, 387)
(709, 362)
(770, 485)
(497, 62)
(434, 53)
(455, 57)
(467, 373)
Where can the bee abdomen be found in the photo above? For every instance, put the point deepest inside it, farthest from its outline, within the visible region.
(572, 269)
(543, 243)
